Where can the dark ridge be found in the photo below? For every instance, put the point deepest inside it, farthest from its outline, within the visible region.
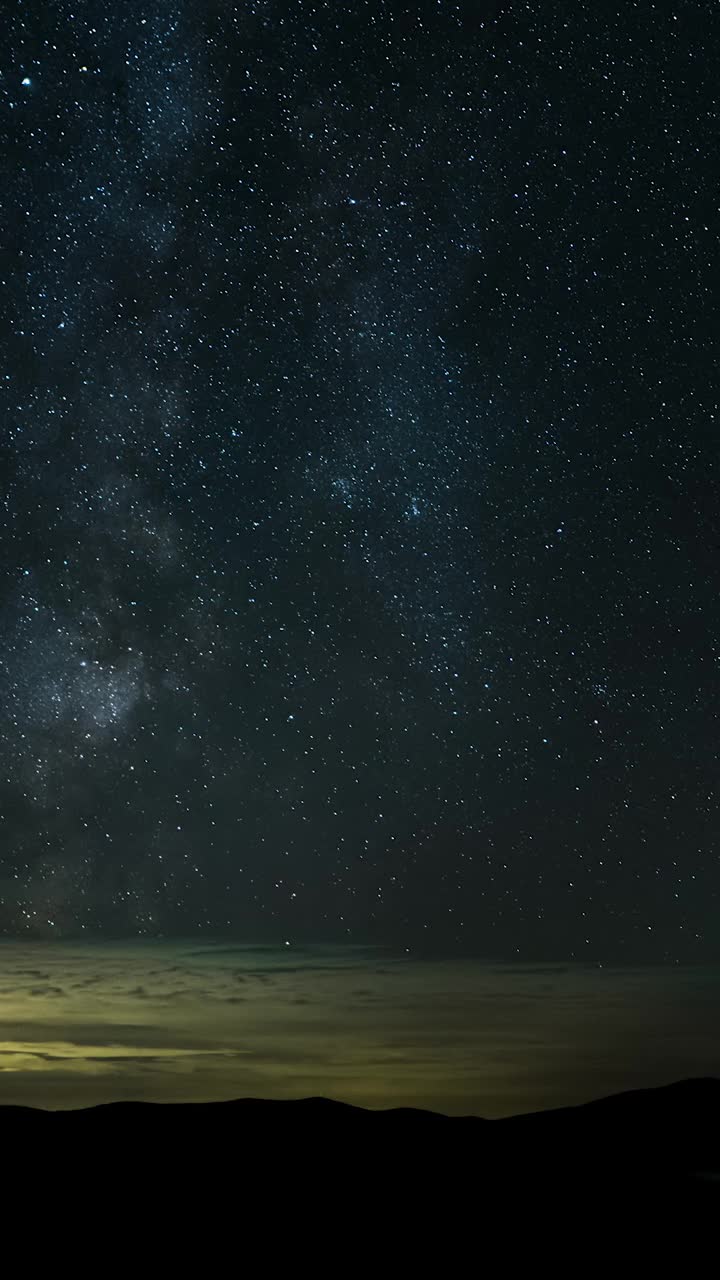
(320, 1186)
(654, 1146)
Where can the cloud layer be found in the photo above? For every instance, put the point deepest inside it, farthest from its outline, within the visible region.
(160, 1021)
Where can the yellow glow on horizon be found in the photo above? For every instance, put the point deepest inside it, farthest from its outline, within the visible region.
(171, 1021)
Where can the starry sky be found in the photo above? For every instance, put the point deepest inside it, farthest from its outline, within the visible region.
(359, 528)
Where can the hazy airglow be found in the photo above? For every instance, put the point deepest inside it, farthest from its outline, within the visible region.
(180, 1021)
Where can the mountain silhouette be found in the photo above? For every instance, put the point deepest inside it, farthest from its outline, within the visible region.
(418, 1180)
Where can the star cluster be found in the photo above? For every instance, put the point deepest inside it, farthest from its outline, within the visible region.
(358, 522)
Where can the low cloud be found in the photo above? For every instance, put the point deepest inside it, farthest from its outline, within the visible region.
(163, 1021)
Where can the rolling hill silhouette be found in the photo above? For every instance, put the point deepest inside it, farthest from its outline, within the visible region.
(647, 1149)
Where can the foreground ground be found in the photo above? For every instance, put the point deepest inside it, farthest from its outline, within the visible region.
(657, 1149)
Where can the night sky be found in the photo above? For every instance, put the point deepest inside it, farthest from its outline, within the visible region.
(359, 528)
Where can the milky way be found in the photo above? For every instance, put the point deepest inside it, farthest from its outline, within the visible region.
(358, 535)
